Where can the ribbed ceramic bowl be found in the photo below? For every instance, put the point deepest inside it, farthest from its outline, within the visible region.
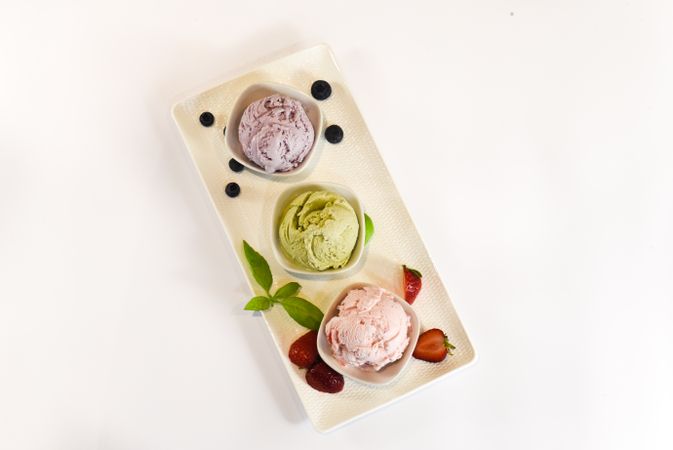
(388, 373)
(256, 92)
(288, 264)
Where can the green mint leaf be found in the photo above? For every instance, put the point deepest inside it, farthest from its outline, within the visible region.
(258, 304)
(259, 267)
(303, 312)
(369, 228)
(289, 290)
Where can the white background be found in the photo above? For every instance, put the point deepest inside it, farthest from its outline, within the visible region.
(532, 141)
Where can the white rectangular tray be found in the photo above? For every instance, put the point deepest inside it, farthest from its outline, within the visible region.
(355, 162)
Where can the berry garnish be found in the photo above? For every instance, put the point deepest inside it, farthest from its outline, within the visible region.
(235, 165)
(433, 346)
(206, 119)
(304, 351)
(334, 134)
(232, 190)
(412, 283)
(323, 378)
(320, 90)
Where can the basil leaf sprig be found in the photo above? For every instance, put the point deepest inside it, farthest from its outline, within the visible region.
(259, 267)
(302, 311)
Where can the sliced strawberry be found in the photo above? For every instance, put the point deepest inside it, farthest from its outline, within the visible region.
(323, 378)
(304, 351)
(433, 346)
(412, 284)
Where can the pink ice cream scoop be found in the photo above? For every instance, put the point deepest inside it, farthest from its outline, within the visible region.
(370, 331)
(275, 133)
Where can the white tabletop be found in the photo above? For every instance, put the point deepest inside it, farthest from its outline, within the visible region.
(531, 141)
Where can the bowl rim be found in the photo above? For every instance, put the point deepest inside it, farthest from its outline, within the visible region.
(389, 372)
(290, 193)
(265, 89)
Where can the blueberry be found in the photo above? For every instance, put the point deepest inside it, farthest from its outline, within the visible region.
(235, 165)
(224, 130)
(206, 119)
(334, 134)
(232, 190)
(320, 90)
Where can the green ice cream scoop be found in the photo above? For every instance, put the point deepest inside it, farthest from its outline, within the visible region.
(318, 230)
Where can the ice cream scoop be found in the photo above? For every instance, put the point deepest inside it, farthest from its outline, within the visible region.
(318, 230)
(370, 331)
(275, 133)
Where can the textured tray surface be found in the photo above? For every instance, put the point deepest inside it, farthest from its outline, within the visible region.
(356, 163)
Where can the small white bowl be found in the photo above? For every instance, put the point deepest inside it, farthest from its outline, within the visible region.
(388, 373)
(256, 92)
(284, 199)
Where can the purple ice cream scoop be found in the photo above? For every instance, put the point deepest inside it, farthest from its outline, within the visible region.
(275, 133)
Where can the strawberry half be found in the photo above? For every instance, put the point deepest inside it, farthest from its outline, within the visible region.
(323, 378)
(412, 283)
(304, 351)
(433, 346)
